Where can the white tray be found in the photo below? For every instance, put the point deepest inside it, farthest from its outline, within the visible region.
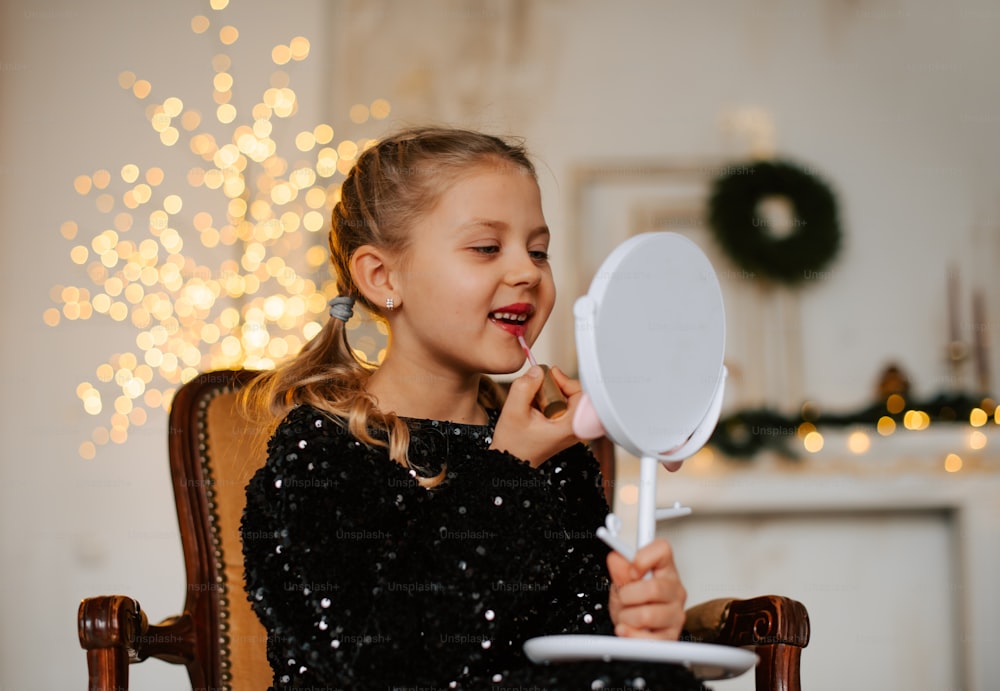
(705, 660)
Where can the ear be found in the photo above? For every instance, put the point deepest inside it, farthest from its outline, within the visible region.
(372, 270)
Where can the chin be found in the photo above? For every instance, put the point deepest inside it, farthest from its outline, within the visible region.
(501, 371)
(504, 369)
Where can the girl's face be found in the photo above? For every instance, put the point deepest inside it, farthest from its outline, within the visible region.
(475, 275)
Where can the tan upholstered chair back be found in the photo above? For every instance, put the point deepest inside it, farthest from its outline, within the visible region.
(214, 451)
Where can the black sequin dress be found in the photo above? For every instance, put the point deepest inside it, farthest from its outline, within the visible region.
(366, 580)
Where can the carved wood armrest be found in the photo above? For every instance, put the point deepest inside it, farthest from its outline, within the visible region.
(765, 620)
(776, 627)
(704, 621)
(114, 631)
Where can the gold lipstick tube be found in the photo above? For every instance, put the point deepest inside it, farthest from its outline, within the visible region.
(550, 399)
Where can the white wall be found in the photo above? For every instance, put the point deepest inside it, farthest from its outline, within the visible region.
(897, 103)
(73, 528)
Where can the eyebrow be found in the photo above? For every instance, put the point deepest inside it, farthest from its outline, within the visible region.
(500, 225)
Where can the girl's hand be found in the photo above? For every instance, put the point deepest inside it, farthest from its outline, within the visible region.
(647, 607)
(523, 430)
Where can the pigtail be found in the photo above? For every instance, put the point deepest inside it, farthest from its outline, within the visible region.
(324, 367)
(491, 395)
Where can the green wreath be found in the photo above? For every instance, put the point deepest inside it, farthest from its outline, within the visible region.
(748, 238)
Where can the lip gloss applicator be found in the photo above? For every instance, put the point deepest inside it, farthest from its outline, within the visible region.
(549, 399)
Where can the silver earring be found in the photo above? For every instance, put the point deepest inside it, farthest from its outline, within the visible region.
(389, 304)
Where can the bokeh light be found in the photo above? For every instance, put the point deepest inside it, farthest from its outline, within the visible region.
(858, 442)
(978, 417)
(953, 463)
(813, 441)
(149, 264)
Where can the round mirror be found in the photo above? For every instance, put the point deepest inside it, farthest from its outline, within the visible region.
(650, 338)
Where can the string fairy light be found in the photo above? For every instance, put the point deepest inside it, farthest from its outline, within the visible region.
(249, 307)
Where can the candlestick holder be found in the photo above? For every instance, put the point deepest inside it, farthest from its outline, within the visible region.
(957, 356)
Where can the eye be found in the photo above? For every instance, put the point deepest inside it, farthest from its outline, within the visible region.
(539, 255)
(487, 249)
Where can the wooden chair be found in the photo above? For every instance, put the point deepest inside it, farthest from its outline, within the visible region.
(213, 453)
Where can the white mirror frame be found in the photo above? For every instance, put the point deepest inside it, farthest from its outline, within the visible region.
(650, 337)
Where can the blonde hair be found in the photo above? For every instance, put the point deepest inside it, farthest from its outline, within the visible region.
(392, 184)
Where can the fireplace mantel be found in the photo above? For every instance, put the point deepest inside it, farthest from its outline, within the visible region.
(894, 509)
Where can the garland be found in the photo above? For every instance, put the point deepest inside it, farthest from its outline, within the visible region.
(747, 237)
(746, 433)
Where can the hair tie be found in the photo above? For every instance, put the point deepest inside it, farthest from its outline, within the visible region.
(342, 307)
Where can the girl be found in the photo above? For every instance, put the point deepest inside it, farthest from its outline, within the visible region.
(410, 529)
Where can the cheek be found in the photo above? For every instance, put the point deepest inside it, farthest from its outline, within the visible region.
(459, 299)
(444, 283)
(548, 291)
(471, 287)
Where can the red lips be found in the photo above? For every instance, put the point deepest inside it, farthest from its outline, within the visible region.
(512, 318)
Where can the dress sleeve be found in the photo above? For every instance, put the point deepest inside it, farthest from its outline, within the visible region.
(320, 534)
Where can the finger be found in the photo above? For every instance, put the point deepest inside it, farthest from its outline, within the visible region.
(619, 569)
(569, 386)
(664, 589)
(658, 555)
(523, 389)
(653, 616)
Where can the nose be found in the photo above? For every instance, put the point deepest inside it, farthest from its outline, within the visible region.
(523, 270)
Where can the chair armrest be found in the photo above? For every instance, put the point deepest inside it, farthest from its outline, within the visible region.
(776, 627)
(704, 621)
(761, 620)
(114, 631)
